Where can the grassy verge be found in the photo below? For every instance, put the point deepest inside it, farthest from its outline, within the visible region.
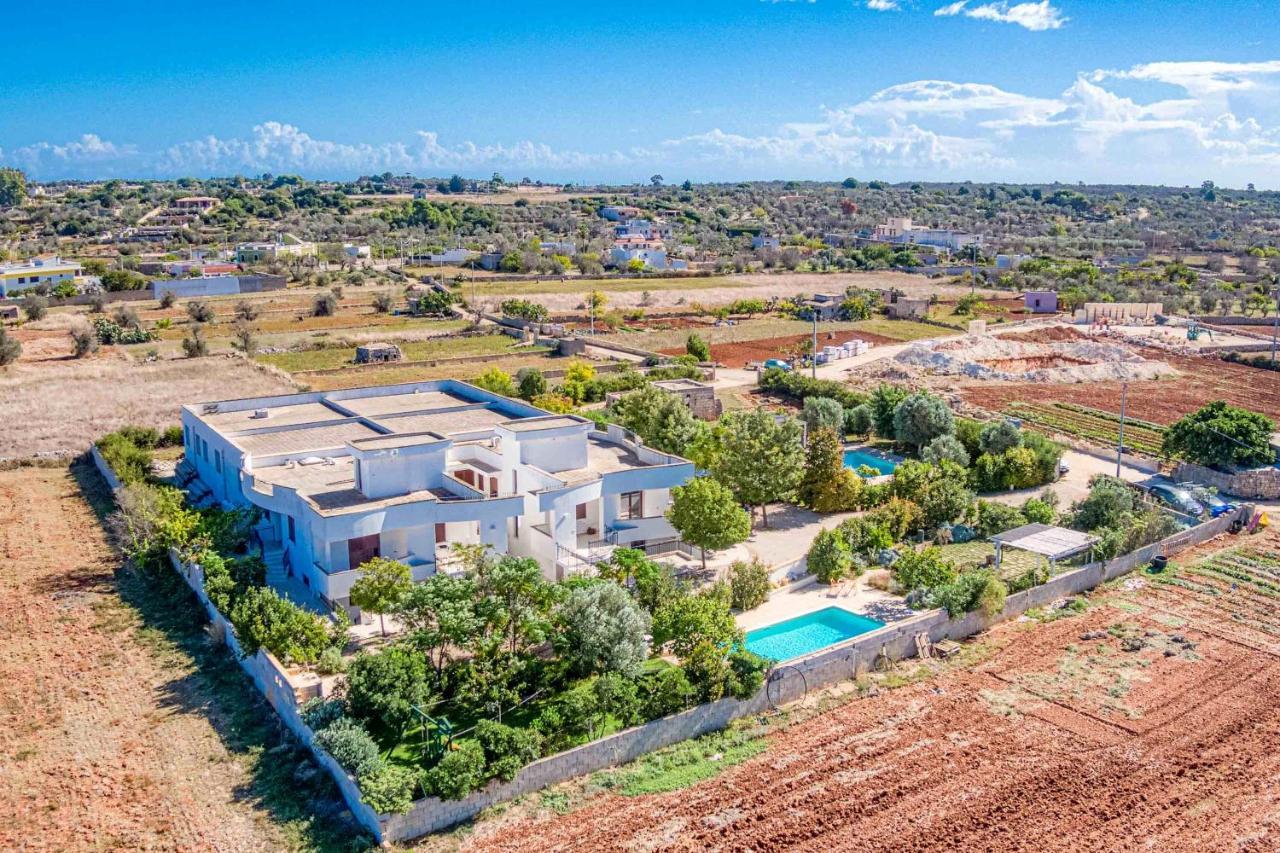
(282, 780)
(447, 347)
(687, 763)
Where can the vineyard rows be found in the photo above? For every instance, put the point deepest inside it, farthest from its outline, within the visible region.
(1090, 425)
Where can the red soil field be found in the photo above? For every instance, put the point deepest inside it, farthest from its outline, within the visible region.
(1203, 380)
(739, 353)
(1147, 723)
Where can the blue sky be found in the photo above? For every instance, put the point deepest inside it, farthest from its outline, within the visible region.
(1097, 90)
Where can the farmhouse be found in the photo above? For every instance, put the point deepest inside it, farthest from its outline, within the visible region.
(406, 471)
(900, 229)
(285, 246)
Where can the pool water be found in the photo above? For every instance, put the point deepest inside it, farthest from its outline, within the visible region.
(856, 457)
(808, 633)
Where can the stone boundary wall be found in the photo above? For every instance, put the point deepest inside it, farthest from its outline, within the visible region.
(1258, 484)
(787, 682)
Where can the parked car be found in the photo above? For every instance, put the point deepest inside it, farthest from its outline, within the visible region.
(778, 363)
(1177, 499)
(1216, 505)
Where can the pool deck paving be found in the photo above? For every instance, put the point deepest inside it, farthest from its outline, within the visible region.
(809, 596)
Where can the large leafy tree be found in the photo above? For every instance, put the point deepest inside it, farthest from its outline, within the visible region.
(440, 614)
(822, 413)
(13, 187)
(662, 420)
(380, 587)
(884, 401)
(516, 598)
(603, 630)
(760, 458)
(707, 515)
(1222, 436)
(384, 687)
(823, 464)
(921, 418)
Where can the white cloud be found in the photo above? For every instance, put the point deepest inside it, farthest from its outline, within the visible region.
(1032, 16)
(883, 5)
(945, 98)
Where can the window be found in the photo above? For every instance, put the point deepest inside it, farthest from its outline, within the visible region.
(361, 550)
(217, 461)
(631, 505)
(581, 512)
(293, 534)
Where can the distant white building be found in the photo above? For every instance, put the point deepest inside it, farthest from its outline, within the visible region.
(643, 228)
(357, 252)
(48, 270)
(406, 471)
(900, 229)
(617, 213)
(558, 247)
(652, 253)
(764, 241)
(285, 246)
(445, 258)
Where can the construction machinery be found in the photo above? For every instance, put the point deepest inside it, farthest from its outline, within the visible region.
(1195, 330)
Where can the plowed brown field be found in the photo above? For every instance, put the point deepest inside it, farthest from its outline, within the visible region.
(1203, 380)
(1146, 723)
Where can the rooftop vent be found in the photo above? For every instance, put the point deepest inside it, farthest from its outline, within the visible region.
(311, 460)
(210, 408)
(261, 413)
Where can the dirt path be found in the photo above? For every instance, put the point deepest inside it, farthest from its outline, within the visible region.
(1145, 723)
(109, 736)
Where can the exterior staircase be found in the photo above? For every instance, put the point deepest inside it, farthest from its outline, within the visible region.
(273, 558)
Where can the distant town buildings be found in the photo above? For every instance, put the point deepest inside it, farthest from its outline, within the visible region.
(46, 270)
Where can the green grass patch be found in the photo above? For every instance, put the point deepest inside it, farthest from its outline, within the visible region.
(688, 763)
(449, 347)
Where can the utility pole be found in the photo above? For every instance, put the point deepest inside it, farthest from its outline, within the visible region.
(1124, 396)
(1275, 326)
(813, 356)
(973, 271)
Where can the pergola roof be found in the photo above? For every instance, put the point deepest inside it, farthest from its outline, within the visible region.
(1056, 543)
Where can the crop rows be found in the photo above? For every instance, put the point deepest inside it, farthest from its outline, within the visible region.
(1090, 425)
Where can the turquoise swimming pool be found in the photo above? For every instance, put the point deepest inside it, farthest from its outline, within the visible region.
(808, 633)
(856, 457)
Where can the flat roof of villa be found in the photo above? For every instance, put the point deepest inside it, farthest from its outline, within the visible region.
(548, 422)
(303, 423)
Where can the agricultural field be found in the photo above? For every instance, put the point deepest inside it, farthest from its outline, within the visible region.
(877, 330)
(453, 346)
(1090, 425)
(393, 374)
(58, 405)
(1202, 379)
(1166, 683)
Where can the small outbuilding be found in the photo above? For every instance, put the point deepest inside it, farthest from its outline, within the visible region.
(377, 353)
(1054, 543)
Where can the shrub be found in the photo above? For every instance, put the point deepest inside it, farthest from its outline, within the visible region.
(748, 584)
(923, 569)
(798, 386)
(898, 516)
(320, 713)
(351, 746)
(530, 383)
(388, 789)
(829, 557)
(865, 536)
(998, 437)
(665, 692)
(1041, 510)
(945, 448)
(225, 581)
(1108, 502)
(131, 462)
(325, 305)
(126, 317)
(555, 403)
(921, 418)
(747, 670)
(200, 312)
(83, 341)
(331, 662)
(523, 309)
(506, 749)
(264, 620)
(1221, 436)
(10, 348)
(383, 687)
(975, 590)
(245, 339)
(697, 347)
(383, 302)
(459, 772)
(35, 306)
(996, 518)
(496, 380)
(97, 303)
(246, 311)
(194, 344)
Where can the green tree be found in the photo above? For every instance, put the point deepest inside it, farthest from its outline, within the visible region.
(859, 420)
(13, 187)
(438, 614)
(382, 585)
(264, 620)
(759, 457)
(662, 420)
(603, 630)
(822, 413)
(35, 306)
(748, 584)
(924, 569)
(884, 402)
(823, 464)
(948, 448)
(1222, 436)
(1109, 501)
(706, 514)
(921, 418)
(829, 557)
(686, 621)
(518, 597)
(999, 436)
(697, 347)
(459, 772)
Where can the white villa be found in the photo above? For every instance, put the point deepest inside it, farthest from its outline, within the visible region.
(900, 229)
(405, 471)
